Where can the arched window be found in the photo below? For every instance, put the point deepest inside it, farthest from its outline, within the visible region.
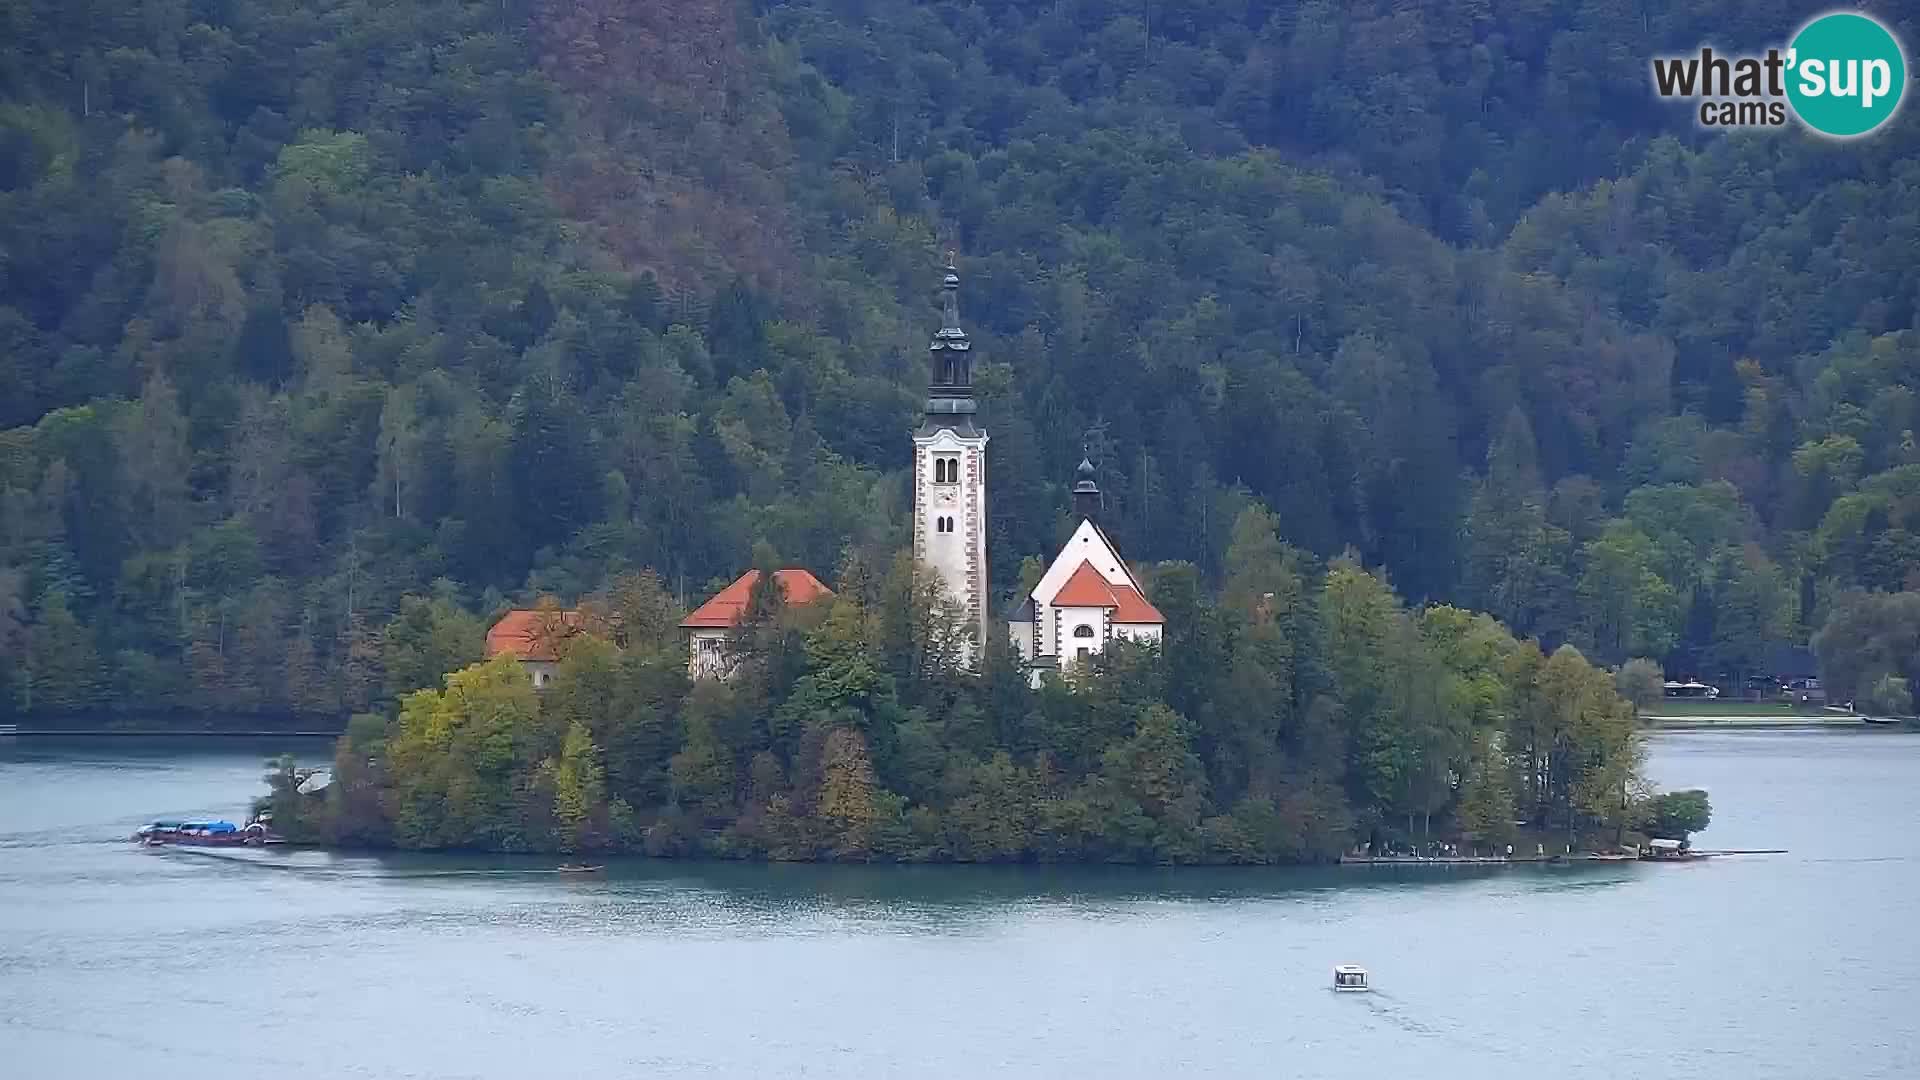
(1083, 631)
(939, 470)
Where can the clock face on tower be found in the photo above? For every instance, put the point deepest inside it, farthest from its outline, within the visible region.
(946, 497)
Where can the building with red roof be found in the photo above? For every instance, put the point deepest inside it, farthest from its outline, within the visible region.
(1086, 598)
(536, 638)
(710, 624)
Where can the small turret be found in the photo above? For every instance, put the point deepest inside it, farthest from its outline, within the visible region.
(1086, 492)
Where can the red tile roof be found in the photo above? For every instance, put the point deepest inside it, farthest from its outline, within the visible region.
(797, 586)
(1086, 588)
(521, 633)
(1134, 608)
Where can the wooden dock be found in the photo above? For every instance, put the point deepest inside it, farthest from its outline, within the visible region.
(1538, 860)
(1448, 860)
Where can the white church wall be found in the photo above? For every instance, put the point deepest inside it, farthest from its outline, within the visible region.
(1085, 544)
(1082, 632)
(1021, 635)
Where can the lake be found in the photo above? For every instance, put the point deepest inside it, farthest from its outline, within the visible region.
(118, 961)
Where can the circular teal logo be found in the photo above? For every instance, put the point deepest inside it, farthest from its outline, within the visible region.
(1846, 74)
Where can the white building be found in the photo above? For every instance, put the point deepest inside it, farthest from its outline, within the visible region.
(950, 468)
(709, 626)
(1086, 598)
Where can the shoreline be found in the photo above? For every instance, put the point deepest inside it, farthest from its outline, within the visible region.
(163, 733)
(1696, 722)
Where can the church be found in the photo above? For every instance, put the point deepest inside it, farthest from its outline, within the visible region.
(1087, 596)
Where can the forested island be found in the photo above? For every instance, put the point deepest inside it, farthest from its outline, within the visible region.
(1302, 710)
(329, 331)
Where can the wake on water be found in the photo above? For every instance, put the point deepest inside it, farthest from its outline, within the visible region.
(354, 872)
(1394, 1011)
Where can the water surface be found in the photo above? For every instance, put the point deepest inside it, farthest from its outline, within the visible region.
(118, 961)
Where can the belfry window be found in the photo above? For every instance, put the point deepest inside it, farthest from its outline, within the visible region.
(946, 470)
(1083, 630)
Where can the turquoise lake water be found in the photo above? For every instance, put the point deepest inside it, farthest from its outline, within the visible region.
(122, 962)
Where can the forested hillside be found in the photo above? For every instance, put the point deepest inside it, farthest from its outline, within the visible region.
(330, 327)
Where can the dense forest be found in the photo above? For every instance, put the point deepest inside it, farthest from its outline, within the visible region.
(329, 329)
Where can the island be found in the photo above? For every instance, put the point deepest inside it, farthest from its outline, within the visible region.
(1299, 713)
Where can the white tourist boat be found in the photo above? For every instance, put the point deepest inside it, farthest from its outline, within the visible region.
(1350, 979)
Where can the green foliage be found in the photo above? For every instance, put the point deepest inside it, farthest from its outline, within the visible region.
(304, 320)
(1296, 715)
(427, 639)
(288, 334)
(1891, 696)
(1676, 814)
(1867, 638)
(1641, 682)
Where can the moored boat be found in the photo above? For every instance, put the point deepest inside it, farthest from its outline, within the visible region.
(200, 833)
(579, 868)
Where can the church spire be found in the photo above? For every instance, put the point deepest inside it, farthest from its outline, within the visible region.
(950, 361)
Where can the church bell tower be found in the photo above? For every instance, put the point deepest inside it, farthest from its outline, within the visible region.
(950, 467)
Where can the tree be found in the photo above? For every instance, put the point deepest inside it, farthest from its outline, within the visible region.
(1641, 682)
(1573, 741)
(848, 792)
(1753, 609)
(1487, 800)
(1627, 608)
(1891, 696)
(1158, 769)
(425, 641)
(1514, 565)
(556, 483)
(579, 789)
(1868, 636)
(157, 462)
(1676, 814)
(453, 757)
(64, 671)
(644, 615)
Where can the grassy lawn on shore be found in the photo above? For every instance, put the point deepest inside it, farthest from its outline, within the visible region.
(1707, 710)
